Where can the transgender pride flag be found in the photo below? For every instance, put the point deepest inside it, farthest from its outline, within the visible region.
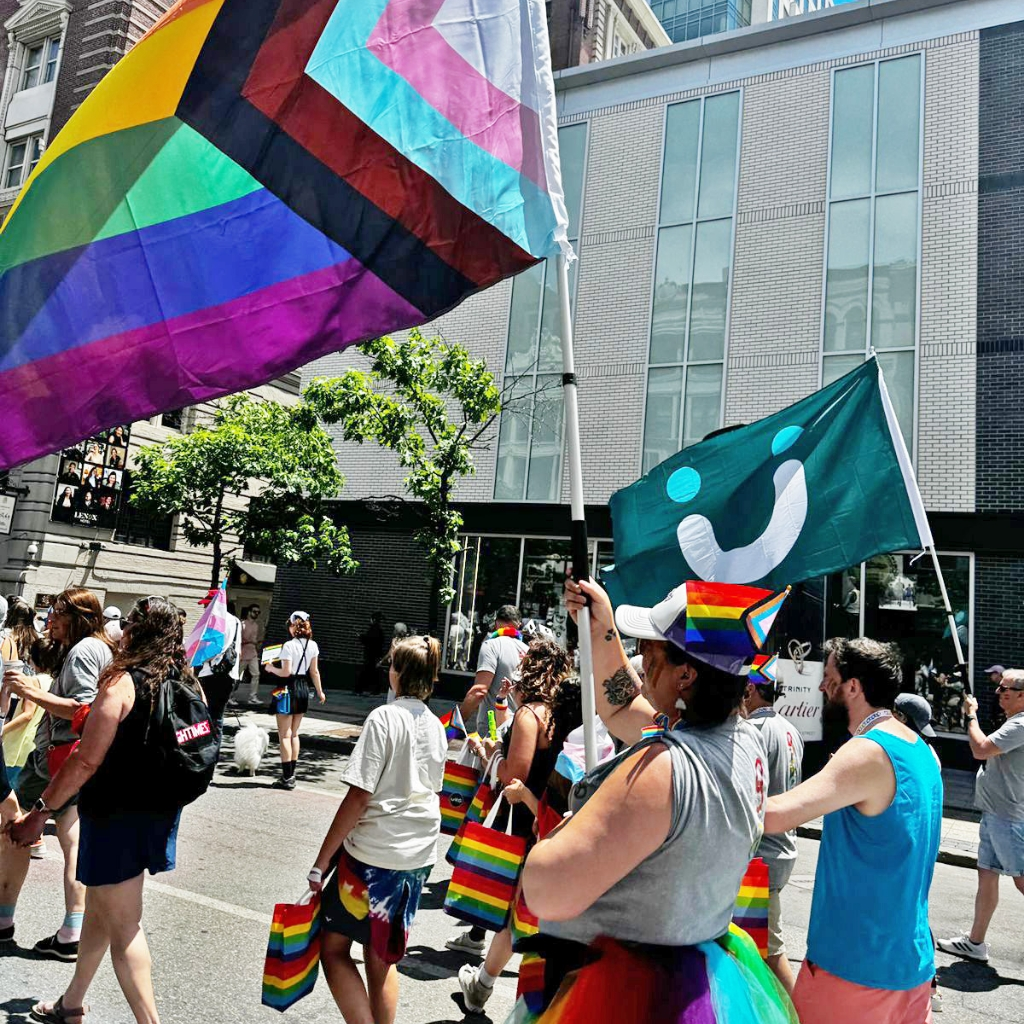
(210, 636)
(260, 182)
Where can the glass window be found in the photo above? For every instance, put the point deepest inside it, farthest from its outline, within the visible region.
(33, 66)
(173, 419)
(871, 263)
(545, 563)
(135, 527)
(530, 434)
(486, 577)
(692, 272)
(52, 53)
(22, 157)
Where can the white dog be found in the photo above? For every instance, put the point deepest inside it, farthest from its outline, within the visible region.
(251, 744)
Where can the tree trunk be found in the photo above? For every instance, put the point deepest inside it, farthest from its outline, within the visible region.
(434, 611)
(217, 541)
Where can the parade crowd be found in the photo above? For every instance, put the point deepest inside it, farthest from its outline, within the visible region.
(629, 871)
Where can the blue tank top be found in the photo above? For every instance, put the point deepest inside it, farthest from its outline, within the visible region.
(869, 916)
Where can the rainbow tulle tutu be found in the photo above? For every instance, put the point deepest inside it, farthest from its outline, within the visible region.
(722, 982)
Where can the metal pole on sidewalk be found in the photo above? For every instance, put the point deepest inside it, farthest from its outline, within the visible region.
(580, 544)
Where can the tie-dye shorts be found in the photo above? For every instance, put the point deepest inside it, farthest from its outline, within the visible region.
(372, 906)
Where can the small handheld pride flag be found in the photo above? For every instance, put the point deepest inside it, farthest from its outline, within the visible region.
(454, 726)
(209, 638)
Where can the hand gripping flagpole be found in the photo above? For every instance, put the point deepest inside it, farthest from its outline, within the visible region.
(580, 545)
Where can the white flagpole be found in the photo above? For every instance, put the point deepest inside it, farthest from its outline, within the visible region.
(580, 546)
(920, 516)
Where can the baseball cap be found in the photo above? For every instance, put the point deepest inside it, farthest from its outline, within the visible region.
(295, 616)
(994, 668)
(721, 624)
(112, 612)
(917, 711)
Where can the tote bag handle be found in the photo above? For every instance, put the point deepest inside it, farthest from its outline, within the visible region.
(488, 822)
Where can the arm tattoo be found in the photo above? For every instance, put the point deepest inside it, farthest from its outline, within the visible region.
(609, 636)
(621, 688)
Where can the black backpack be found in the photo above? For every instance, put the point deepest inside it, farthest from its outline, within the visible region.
(183, 741)
(227, 659)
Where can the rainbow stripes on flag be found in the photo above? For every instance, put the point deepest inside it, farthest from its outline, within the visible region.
(764, 670)
(293, 954)
(454, 726)
(457, 789)
(260, 182)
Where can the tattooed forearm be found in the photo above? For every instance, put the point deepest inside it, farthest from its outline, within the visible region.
(621, 688)
(609, 636)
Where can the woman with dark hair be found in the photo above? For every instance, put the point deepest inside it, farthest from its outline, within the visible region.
(300, 665)
(127, 827)
(64, 505)
(19, 638)
(641, 882)
(529, 751)
(76, 623)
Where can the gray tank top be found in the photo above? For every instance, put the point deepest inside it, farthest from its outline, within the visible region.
(684, 893)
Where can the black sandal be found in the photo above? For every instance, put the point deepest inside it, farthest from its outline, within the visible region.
(59, 1014)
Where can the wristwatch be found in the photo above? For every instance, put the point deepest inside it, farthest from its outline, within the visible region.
(40, 807)
(970, 718)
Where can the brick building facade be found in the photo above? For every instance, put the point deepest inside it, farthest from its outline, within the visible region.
(897, 122)
(587, 31)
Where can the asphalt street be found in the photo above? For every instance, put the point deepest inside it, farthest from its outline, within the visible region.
(245, 846)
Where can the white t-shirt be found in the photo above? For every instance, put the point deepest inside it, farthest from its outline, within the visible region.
(300, 653)
(399, 759)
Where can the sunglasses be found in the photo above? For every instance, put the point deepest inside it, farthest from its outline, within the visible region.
(1008, 689)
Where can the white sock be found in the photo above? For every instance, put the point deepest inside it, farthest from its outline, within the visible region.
(484, 978)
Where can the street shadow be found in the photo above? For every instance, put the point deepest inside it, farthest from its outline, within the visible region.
(969, 977)
(467, 1014)
(17, 1010)
(433, 895)
(444, 963)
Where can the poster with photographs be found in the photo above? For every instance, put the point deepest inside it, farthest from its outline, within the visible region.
(90, 480)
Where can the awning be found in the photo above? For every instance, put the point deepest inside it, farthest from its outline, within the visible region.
(258, 572)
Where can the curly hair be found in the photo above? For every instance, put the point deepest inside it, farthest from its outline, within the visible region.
(543, 668)
(566, 711)
(301, 629)
(152, 646)
(878, 666)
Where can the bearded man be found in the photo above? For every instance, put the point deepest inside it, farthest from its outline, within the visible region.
(869, 951)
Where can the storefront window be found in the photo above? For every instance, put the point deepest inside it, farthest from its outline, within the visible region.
(897, 600)
(545, 563)
(526, 571)
(486, 577)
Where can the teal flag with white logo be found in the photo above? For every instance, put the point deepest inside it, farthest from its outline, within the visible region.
(813, 489)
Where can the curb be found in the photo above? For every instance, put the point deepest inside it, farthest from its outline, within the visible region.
(956, 858)
(311, 741)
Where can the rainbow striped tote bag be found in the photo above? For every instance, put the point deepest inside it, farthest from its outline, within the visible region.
(457, 788)
(484, 881)
(293, 953)
(751, 911)
(482, 802)
(524, 922)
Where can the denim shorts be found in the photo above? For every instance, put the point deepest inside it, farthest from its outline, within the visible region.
(112, 850)
(1002, 845)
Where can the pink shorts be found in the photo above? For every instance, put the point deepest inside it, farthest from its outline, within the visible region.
(822, 998)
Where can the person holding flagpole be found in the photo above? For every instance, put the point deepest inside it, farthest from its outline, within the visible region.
(640, 883)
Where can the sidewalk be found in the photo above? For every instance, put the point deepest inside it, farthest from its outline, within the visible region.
(336, 725)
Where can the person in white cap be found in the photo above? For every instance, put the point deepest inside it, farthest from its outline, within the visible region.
(642, 880)
(112, 623)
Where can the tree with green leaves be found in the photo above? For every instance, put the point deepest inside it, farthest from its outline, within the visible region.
(275, 452)
(426, 400)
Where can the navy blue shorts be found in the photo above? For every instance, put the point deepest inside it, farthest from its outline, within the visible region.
(112, 850)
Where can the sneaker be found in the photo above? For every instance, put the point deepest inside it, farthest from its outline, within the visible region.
(255, 702)
(37, 851)
(57, 950)
(285, 783)
(961, 946)
(7, 935)
(464, 943)
(473, 993)
(936, 1001)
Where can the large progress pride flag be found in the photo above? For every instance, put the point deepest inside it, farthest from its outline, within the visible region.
(260, 182)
